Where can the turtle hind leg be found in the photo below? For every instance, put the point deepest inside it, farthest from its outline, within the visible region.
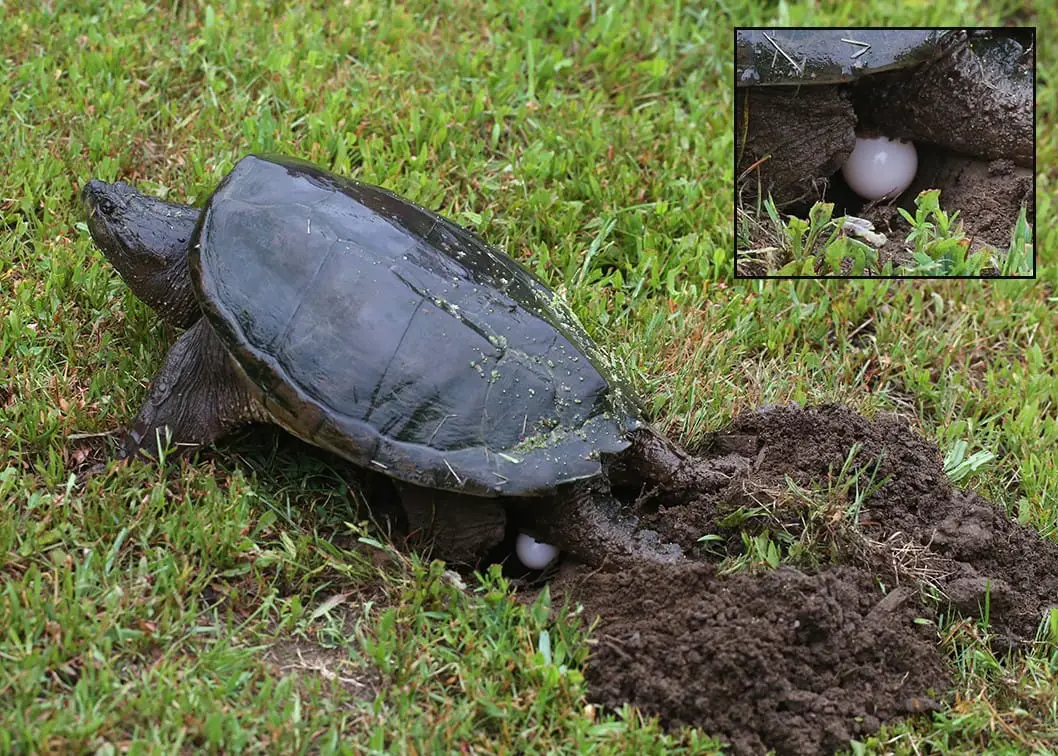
(587, 520)
(456, 527)
(197, 396)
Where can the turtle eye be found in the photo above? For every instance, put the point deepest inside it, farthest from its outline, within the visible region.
(106, 206)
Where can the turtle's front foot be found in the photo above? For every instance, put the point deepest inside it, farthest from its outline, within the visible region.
(131, 443)
(152, 443)
(195, 398)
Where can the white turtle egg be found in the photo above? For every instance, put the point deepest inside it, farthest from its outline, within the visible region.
(534, 554)
(880, 166)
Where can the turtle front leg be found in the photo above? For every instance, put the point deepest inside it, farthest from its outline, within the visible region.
(198, 395)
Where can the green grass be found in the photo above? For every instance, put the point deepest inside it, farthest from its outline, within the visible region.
(824, 245)
(192, 608)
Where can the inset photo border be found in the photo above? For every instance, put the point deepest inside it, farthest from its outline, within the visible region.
(893, 153)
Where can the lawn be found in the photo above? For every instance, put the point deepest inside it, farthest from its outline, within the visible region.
(243, 602)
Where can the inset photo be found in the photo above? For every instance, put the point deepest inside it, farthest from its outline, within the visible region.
(885, 152)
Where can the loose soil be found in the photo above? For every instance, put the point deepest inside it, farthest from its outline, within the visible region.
(801, 659)
(989, 195)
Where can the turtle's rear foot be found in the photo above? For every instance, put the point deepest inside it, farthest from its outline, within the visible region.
(587, 520)
(455, 527)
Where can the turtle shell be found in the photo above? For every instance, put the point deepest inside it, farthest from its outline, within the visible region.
(830, 56)
(379, 330)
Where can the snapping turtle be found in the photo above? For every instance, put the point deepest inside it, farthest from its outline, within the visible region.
(774, 57)
(382, 332)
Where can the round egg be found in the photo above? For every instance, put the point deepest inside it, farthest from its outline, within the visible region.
(534, 554)
(880, 167)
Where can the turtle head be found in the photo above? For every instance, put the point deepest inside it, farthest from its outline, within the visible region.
(146, 239)
(138, 233)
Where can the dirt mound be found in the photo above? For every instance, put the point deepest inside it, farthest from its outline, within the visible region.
(802, 659)
(800, 663)
(914, 525)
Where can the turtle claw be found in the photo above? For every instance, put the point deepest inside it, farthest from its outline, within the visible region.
(130, 444)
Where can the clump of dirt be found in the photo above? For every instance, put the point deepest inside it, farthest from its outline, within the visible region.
(802, 659)
(958, 538)
(785, 660)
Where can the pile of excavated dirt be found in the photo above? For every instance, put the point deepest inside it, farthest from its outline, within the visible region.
(786, 660)
(802, 660)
